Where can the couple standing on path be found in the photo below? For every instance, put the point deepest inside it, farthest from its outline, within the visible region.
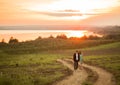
(76, 58)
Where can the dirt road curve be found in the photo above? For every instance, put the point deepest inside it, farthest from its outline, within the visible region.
(79, 76)
(105, 78)
(76, 78)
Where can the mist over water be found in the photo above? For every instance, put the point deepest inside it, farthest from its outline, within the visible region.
(25, 35)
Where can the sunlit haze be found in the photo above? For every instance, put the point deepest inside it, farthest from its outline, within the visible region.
(59, 12)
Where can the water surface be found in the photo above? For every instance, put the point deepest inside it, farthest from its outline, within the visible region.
(23, 35)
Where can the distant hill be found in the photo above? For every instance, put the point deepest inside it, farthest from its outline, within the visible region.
(50, 44)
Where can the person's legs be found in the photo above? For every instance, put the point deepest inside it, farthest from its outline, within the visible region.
(75, 65)
(81, 67)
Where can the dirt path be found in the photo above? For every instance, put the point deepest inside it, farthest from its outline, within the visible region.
(76, 78)
(104, 77)
(79, 76)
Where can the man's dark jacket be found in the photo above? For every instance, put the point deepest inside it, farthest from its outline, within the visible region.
(74, 57)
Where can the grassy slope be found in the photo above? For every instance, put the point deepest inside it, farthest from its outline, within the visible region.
(30, 69)
(36, 60)
(50, 44)
(107, 61)
(105, 46)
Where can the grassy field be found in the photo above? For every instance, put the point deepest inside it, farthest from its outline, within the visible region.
(105, 46)
(42, 45)
(34, 62)
(106, 56)
(30, 69)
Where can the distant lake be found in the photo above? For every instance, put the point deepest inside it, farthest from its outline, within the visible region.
(23, 35)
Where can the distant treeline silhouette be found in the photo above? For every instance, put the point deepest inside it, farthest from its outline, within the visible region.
(63, 36)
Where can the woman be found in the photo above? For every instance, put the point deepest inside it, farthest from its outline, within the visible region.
(81, 58)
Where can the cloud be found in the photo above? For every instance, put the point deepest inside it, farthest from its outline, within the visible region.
(63, 13)
(59, 14)
(68, 10)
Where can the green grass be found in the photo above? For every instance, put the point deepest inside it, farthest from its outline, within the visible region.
(34, 62)
(30, 69)
(110, 62)
(42, 45)
(105, 46)
(26, 59)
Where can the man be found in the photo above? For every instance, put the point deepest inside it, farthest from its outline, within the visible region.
(76, 58)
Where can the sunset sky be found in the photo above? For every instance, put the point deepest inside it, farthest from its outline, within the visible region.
(59, 12)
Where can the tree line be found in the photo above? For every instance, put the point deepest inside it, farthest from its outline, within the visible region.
(13, 40)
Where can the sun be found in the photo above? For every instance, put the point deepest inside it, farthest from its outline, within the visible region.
(76, 34)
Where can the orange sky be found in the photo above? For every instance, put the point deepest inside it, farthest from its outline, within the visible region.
(59, 12)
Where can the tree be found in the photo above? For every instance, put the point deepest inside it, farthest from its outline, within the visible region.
(50, 36)
(74, 38)
(39, 38)
(3, 41)
(84, 37)
(62, 36)
(112, 36)
(93, 37)
(13, 40)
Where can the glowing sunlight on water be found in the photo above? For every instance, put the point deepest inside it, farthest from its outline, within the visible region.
(23, 35)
